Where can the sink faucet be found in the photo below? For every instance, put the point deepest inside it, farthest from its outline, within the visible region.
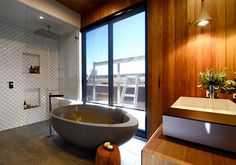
(212, 86)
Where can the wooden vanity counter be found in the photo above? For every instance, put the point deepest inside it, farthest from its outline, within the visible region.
(162, 150)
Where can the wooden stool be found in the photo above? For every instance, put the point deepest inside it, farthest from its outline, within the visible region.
(105, 157)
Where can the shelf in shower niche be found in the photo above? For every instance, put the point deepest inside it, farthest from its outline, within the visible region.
(29, 106)
(32, 98)
(31, 63)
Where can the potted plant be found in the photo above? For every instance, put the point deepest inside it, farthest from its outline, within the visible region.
(219, 80)
(229, 86)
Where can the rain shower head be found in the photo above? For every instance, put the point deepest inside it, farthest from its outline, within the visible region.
(46, 33)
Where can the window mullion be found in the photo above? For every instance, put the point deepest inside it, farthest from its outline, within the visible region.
(110, 64)
(84, 79)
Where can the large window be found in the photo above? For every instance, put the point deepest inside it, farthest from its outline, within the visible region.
(114, 63)
(96, 73)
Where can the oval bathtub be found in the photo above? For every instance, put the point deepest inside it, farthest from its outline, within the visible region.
(89, 126)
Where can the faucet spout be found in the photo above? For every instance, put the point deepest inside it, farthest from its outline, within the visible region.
(212, 86)
(212, 91)
(51, 95)
(50, 109)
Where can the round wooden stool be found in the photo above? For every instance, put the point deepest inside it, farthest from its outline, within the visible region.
(105, 157)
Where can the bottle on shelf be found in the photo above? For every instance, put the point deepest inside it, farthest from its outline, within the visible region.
(25, 105)
(36, 69)
(31, 70)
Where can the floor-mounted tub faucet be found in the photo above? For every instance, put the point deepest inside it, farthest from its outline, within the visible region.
(50, 109)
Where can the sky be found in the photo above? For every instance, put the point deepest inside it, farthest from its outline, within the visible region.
(128, 41)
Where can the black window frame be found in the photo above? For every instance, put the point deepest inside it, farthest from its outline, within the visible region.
(110, 20)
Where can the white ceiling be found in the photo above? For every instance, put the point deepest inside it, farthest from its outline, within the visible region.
(15, 12)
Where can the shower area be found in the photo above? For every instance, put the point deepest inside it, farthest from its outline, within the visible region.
(39, 54)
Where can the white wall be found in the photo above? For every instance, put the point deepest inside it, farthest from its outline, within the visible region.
(15, 40)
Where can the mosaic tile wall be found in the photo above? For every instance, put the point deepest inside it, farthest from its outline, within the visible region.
(15, 41)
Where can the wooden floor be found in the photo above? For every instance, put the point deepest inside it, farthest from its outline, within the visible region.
(163, 150)
(29, 145)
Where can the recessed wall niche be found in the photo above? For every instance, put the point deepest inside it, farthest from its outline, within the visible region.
(31, 63)
(31, 98)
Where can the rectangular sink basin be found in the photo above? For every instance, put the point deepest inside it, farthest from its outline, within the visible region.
(210, 122)
(220, 106)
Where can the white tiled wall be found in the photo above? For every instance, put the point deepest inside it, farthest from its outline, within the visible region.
(14, 41)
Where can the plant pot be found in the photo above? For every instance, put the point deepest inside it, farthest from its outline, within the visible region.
(225, 96)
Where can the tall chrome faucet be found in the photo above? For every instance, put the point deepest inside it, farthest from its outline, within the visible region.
(212, 86)
(50, 109)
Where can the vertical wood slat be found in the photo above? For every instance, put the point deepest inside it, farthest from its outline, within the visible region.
(218, 33)
(168, 51)
(155, 63)
(230, 34)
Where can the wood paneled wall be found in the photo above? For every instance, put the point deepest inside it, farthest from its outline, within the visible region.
(177, 50)
(184, 50)
(155, 64)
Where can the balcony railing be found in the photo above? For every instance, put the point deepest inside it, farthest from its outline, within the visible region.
(96, 81)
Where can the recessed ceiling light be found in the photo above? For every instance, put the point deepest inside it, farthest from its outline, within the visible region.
(41, 17)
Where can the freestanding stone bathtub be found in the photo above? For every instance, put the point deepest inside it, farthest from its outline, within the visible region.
(88, 126)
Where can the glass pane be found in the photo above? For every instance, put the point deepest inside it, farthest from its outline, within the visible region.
(97, 65)
(129, 65)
